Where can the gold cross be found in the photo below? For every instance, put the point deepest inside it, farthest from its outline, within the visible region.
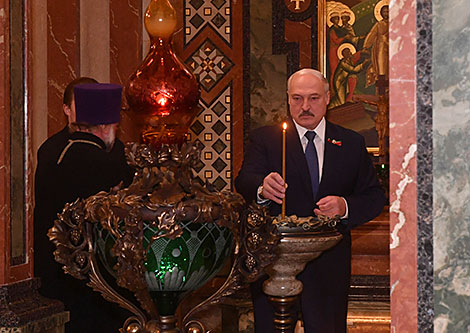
(297, 3)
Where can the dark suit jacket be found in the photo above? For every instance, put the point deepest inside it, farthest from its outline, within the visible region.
(347, 172)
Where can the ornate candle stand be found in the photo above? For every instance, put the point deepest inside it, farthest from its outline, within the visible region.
(162, 237)
(302, 240)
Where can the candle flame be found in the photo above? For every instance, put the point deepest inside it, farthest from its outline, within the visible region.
(284, 126)
(162, 100)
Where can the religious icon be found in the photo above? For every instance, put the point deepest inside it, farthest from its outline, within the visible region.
(344, 78)
(377, 41)
(357, 68)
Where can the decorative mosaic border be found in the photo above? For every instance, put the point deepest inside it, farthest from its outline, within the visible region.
(424, 133)
(213, 125)
(213, 129)
(280, 13)
(209, 64)
(200, 14)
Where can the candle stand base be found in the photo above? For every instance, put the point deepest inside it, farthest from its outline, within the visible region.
(168, 324)
(297, 247)
(283, 319)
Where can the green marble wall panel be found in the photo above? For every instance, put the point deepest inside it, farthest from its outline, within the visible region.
(267, 71)
(451, 165)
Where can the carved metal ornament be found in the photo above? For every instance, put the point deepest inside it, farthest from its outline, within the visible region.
(164, 205)
(312, 224)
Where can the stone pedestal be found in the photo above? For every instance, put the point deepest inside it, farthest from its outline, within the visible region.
(51, 324)
(23, 309)
(293, 252)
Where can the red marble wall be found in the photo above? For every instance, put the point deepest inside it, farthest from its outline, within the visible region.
(300, 33)
(63, 56)
(62, 42)
(63, 51)
(125, 24)
(403, 193)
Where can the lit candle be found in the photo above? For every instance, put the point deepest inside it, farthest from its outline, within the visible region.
(284, 127)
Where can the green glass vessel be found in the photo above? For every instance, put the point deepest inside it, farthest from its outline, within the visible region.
(177, 266)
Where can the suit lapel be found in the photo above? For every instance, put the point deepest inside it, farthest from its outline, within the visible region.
(296, 157)
(331, 158)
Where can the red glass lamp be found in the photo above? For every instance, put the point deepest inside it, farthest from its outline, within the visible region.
(162, 94)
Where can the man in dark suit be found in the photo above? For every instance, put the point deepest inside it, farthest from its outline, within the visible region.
(328, 172)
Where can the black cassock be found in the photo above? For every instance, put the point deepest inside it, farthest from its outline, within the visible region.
(85, 168)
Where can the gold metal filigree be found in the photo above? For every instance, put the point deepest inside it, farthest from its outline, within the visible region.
(162, 195)
(318, 223)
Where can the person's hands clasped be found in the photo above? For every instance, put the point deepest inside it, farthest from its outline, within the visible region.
(331, 206)
(274, 187)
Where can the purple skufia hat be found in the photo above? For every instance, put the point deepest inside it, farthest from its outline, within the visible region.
(98, 103)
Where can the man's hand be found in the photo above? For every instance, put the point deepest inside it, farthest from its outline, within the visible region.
(274, 187)
(331, 206)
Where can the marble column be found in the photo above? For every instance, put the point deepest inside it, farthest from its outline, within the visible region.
(424, 123)
(430, 115)
(411, 174)
(125, 33)
(63, 56)
(403, 251)
(451, 160)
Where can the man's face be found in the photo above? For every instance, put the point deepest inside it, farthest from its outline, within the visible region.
(384, 12)
(334, 20)
(345, 19)
(347, 53)
(307, 100)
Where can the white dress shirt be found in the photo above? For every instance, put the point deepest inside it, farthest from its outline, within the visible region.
(318, 141)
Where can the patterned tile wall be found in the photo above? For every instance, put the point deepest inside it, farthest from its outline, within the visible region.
(212, 128)
(202, 14)
(207, 25)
